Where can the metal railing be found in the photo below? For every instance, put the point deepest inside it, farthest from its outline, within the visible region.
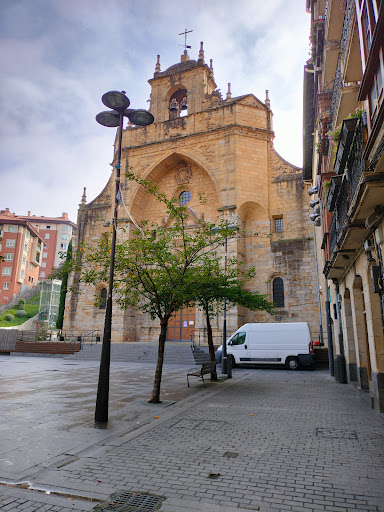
(199, 338)
(337, 84)
(347, 26)
(339, 216)
(356, 163)
(88, 337)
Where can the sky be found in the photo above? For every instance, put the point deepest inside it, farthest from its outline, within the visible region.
(59, 57)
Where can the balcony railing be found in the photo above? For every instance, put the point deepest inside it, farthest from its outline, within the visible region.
(347, 26)
(356, 162)
(354, 170)
(338, 83)
(339, 216)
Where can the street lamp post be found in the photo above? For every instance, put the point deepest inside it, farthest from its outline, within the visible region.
(226, 364)
(119, 103)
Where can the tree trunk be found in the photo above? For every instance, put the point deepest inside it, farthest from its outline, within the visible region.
(160, 360)
(210, 343)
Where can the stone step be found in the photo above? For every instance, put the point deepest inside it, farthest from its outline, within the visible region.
(175, 353)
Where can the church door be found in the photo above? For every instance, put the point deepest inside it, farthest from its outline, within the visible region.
(182, 325)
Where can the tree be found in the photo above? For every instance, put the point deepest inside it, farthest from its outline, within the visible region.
(63, 289)
(158, 269)
(154, 269)
(214, 285)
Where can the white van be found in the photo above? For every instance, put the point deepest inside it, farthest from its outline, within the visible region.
(272, 343)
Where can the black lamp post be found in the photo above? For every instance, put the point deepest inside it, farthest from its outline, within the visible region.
(226, 364)
(119, 104)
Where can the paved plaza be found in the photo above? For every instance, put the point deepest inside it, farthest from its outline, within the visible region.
(268, 440)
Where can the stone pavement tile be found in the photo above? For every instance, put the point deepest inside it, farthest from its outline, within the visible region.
(267, 439)
(177, 505)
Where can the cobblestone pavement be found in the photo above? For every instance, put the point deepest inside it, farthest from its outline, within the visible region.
(266, 440)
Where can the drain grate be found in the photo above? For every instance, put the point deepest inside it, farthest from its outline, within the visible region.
(336, 433)
(231, 455)
(133, 502)
(165, 403)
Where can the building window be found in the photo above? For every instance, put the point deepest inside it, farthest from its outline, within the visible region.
(45, 255)
(65, 228)
(32, 267)
(12, 229)
(47, 236)
(42, 274)
(22, 273)
(65, 236)
(185, 197)
(48, 227)
(7, 271)
(63, 246)
(25, 247)
(278, 292)
(278, 224)
(24, 260)
(44, 264)
(6, 286)
(10, 243)
(376, 94)
(8, 256)
(103, 298)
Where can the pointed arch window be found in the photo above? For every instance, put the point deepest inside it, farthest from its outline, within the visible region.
(103, 298)
(278, 292)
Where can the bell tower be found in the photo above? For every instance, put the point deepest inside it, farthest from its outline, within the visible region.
(182, 88)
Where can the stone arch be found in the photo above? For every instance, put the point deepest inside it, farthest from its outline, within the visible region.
(254, 220)
(176, 97)
(350, 349)
(174, 174)
(101, 295)
(361, 333)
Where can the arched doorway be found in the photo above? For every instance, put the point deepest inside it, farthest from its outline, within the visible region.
(361, 334)
(181, 326)
(350, 349)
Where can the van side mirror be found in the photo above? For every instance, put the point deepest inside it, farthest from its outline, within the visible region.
(229, 342)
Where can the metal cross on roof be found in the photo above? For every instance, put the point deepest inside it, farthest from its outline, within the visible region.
(185, 38)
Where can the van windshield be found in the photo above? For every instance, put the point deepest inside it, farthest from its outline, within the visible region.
(238, 339)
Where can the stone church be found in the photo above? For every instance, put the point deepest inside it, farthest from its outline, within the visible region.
(202, 142)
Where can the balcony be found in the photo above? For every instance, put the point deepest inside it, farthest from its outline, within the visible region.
(333, 192)
(346, 138)
(348, 199)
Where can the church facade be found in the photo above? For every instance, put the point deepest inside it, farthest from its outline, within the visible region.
(202, 143)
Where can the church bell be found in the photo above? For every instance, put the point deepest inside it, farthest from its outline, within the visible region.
(173, 107)
(184, 105)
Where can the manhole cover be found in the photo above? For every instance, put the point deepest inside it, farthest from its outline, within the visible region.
(132, 502)
(231, 455)
(336, 433)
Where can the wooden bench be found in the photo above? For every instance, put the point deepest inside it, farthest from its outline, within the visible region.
(206, 368)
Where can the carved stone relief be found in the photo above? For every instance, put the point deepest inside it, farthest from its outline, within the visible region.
(183, 174)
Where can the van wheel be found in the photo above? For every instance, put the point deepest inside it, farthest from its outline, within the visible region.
(233, 362)
(292, 363)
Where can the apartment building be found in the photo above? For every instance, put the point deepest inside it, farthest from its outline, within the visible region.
(344, 163)
(21, 250)
(57, 233)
